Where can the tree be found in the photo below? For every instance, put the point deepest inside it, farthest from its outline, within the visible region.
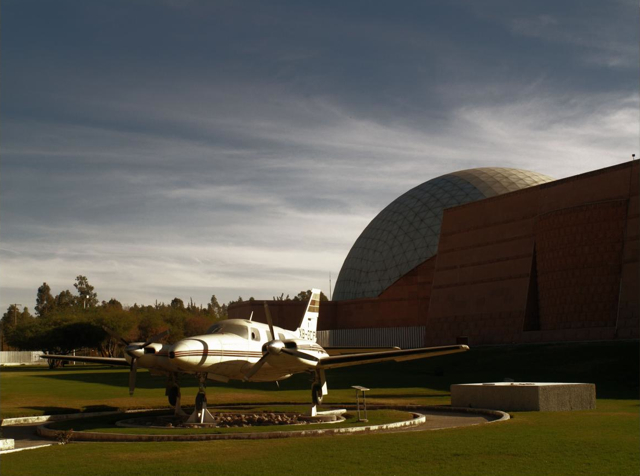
(192, 307)
(28, 336)
(74, 335)
(10, 317)
(65, 300)
(151, 324)
(40, 334)
(13, 318)
(112, 304)
(25, 316)
(215, 309)
(45, 303)
(177, 303)
(86, 295)
(196, 325)
(123, 323)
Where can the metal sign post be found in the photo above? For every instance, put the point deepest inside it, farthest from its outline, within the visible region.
(364, 401)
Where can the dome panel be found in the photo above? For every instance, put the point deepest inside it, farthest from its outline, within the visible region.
(407, 231)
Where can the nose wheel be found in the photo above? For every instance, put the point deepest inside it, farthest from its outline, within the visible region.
(173, 395)
(200, 414)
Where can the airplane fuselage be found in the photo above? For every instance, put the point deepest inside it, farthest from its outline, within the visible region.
(228, 350)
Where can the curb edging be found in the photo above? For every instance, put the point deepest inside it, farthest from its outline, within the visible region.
(417, 419)
(96, 436)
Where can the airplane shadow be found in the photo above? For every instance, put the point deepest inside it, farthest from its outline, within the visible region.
(612, 366)
(384, 375)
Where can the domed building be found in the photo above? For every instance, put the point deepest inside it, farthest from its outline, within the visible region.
(407, 231)
(489, 256)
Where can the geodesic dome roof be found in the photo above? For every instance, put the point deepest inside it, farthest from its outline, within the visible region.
(407, 231)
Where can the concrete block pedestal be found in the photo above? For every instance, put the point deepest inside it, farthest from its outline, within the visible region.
(525, 396)
(7, 444)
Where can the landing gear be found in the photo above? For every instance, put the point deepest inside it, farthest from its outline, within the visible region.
(316, 394)
(173, 394)
(318, 391)
(201, 415)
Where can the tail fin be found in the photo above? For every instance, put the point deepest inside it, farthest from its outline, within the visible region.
(309, 323)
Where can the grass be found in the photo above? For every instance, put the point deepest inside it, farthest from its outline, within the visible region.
(613, 366)
(604, 441)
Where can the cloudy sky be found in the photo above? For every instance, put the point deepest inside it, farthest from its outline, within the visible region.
(189, 148)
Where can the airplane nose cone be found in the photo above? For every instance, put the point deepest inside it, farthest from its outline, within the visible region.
(134, 350)
(187, 353)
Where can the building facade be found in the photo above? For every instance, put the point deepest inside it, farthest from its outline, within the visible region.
(498, 256)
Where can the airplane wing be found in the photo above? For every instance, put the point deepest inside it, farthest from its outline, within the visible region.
(93, 360)
(335, 361)
(356, 350)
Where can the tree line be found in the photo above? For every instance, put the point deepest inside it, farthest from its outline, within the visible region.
(76, 320)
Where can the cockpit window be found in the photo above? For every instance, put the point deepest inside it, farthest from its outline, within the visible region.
(235, 329)
(241, 331)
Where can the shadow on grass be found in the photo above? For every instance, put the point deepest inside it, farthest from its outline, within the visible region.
(404, 395)
(612, 366)
(50, 410)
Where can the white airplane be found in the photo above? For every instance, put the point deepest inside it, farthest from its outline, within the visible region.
(240, 349)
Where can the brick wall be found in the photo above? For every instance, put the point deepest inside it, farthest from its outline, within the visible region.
(628, 303)
(554, 262)
(579, 260)
(481, 280)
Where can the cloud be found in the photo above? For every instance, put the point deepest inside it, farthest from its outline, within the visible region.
(601, 44)
(263, 234)
(243, 150)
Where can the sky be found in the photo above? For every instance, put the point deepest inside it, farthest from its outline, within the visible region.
(184, 148)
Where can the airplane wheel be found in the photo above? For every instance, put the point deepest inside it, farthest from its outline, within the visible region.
(201, 399)
(316, 394)
(173, 396)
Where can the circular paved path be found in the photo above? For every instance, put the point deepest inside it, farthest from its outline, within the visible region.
(25, 435)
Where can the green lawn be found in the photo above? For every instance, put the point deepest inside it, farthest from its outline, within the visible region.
(602, 441)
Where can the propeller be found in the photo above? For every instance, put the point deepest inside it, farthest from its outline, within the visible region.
(134, 358)
(129, 350)
(274, 347)
(115, 335)
(269, 321)
(132, 375)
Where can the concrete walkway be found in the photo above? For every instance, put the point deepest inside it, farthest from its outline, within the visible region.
(25, 436)
(442, 420)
